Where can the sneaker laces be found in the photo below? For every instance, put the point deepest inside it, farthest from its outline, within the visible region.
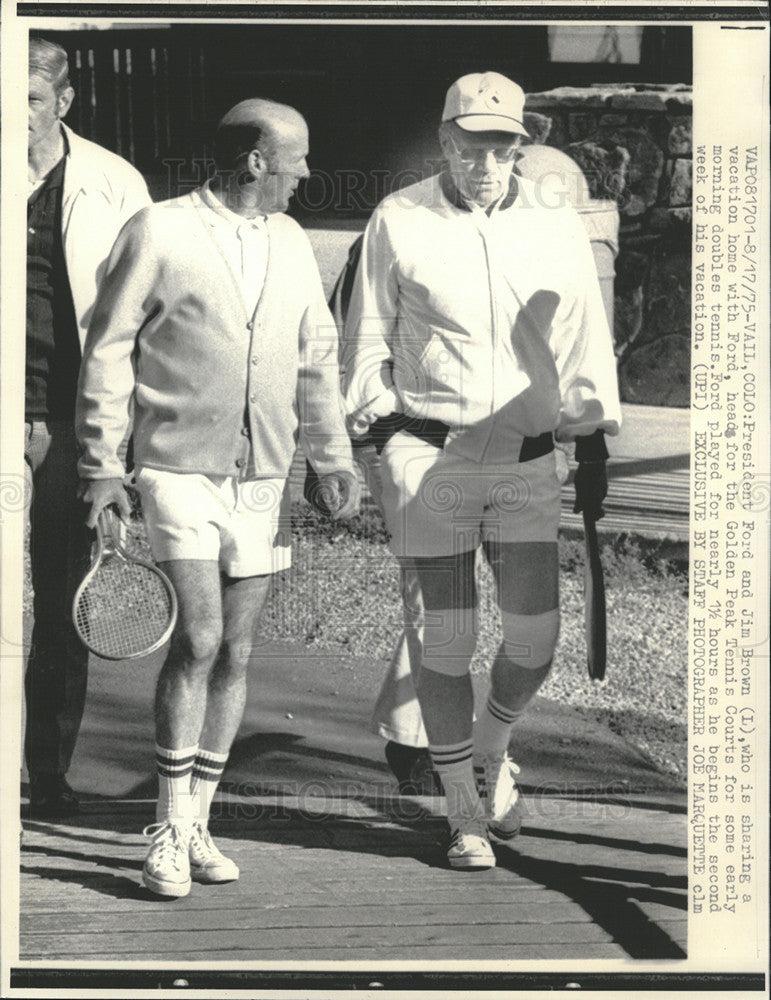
(489, 773)
(169, 840)
(469, 828)
(201, 832)
(493, 764)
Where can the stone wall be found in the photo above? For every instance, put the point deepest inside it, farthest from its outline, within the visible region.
(633, 143)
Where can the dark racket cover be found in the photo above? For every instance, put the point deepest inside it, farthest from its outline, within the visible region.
(595, 625)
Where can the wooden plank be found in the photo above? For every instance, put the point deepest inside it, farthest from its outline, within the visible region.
(380, 834)
(49, 883)
(412, 914)
(510, 952)
(382, 849)
(54, 884)
(287, 940)
(661, 912)
(668, 844)
(94, 907)
(54, 909)
(660, 834)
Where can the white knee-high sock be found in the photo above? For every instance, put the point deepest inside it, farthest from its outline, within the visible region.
(493, 727)
(207, 771)
(174, 770)
(454, 766)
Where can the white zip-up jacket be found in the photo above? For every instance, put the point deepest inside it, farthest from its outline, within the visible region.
(494, 324)
(101, 192)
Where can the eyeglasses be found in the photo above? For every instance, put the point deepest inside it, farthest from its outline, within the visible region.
(477, 154)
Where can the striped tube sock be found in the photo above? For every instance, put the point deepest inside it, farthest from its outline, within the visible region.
(453, 764)
(207, 771)
(174, 770)
(493, 727)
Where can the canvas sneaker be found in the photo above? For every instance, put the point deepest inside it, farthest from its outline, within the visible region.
(469, 846)
(494, 775)
(166, 870)
(207, 863)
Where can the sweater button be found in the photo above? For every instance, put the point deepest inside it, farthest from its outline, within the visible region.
(255, 360)
(240, 462)
(245, 431)
(250, 325)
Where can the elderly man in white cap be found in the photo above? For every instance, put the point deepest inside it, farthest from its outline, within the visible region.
(476, 337)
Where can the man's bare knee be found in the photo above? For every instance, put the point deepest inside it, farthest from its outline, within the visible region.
(530, 640)
(235, 654)
(198, 643)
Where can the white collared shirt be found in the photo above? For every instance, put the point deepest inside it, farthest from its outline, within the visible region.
(243, 243)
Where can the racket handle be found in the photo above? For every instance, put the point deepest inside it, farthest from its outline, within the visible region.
(595, 623)
(110, 529)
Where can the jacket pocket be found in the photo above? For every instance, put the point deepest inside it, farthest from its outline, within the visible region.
(441, 365)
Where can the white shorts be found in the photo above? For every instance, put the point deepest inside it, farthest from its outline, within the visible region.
(439, 504)
(244, 526)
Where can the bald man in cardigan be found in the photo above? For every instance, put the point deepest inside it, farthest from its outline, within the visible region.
(212, 322)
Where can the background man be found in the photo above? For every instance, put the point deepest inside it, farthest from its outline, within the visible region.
(477, 316)
(212, 316)
(79, 197)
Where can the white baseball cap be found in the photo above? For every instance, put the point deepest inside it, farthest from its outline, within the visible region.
(486, 102)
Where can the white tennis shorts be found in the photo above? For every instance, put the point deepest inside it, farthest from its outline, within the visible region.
(439, 504)
(244, 526)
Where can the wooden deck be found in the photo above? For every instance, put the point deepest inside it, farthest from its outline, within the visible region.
(362, 879)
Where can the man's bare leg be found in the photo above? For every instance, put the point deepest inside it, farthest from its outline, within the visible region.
(180, 695)
(242, 602)
(526, 575)
(448, 591)
(527, 579)
(446, 696)
(180, 707)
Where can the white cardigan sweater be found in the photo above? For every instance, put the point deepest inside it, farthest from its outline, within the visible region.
(209, 383)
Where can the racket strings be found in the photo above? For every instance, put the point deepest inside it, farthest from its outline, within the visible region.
(123, 610)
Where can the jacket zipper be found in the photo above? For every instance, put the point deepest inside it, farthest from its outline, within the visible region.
(493, 346)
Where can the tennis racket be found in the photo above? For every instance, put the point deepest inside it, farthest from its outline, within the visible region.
(595, 625)
(125, 607)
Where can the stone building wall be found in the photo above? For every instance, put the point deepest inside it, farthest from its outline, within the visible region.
(634, 145)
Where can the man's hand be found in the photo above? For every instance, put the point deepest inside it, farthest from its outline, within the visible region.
(337, 495)
(591, 483)
(102, 493)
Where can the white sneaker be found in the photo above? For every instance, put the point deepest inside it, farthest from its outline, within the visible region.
(207, 863)
(469, 847)
(494, 774)
(166, 870)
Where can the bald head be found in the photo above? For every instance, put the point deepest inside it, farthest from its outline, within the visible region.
(260, 151)
(254, 124)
